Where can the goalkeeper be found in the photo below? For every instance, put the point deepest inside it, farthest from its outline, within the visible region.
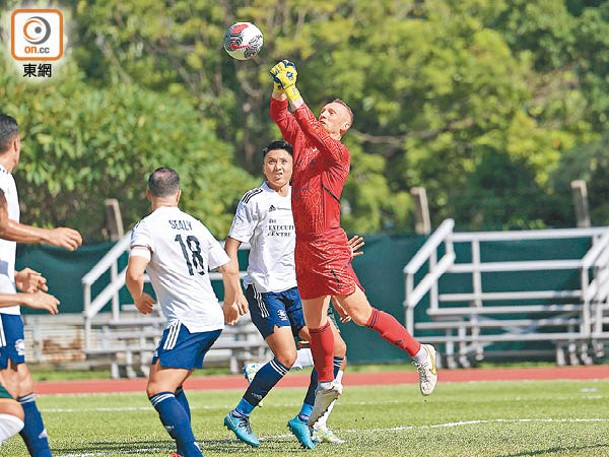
(322, 254)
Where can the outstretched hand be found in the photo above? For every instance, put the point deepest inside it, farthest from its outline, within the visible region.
(65, 237)
(284, 75)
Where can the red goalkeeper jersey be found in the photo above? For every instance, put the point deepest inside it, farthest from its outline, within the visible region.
(321, 167)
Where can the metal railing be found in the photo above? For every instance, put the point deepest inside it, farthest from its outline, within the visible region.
(589, 302)
(92, 306)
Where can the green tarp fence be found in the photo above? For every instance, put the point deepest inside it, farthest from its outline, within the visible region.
(380, 271)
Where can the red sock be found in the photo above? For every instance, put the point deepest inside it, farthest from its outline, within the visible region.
(392, 331)
(322, 348)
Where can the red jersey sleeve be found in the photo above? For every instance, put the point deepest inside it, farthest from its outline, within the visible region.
(284, 120)
(333, 149)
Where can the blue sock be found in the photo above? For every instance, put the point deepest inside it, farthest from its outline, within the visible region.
(338, 361)
(310, 395)
(305, 412)
(266, 378)
(34, 434)
(176, 422)
(182, 400)
(243, 409)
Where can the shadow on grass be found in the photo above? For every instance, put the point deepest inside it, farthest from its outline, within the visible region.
(232, 446)
(554, 450)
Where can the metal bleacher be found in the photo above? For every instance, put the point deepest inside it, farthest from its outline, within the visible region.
(569, 322)
(126, 339)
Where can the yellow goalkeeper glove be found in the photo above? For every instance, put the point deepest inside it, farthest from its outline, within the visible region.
(284, 79)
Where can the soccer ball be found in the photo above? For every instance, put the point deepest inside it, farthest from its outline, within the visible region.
(243, 40)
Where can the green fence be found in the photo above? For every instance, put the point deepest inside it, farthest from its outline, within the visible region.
(380, 270)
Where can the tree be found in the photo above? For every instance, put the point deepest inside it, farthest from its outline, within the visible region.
(83, 145)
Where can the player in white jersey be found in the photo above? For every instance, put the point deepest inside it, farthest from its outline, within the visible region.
(264, 219)
(11, 412)
(178, 251)
(13, 368)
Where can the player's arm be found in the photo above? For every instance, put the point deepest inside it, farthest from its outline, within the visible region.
(284, 120)
(62, 237)
(284, 76)
(235, 303)
(134, 278)
(36, 300)
(3, 214)
(279, 107)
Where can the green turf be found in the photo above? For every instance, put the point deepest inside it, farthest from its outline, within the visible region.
(528, 418)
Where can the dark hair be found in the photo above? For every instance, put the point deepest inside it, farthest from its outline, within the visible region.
(278, 144)
(8, 129)
(164, 182)
(342, 102)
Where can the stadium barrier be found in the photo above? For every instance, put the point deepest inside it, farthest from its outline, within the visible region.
(470, 316)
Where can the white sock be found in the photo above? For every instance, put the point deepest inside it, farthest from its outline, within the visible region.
(304, 359)
(9, 426)
(322, 421)
(421, 356)
(325, 385)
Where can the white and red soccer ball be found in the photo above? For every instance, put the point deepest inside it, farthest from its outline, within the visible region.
(243, 40)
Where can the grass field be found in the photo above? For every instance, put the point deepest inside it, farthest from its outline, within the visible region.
(527, 418)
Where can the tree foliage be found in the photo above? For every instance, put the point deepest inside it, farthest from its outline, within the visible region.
(488, 104)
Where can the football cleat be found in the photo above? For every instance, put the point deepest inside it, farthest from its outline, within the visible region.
(325, 435)
(249, 372)
(242, 429)
(428, 374)
(302, 432)
(323, 400)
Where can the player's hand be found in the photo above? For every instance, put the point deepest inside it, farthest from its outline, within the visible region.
(231, 313)
(144, 303)
(30, 281)
(284, 74)
(355, 243)
(64, 237)
(342, 314)
(41, 300)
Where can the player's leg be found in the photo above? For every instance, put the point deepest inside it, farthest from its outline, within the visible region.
(20, 384)
(270, 318)
(321, 432)
(304, 356)
(322, 347)
(298, 425)
(388, 327)
(11, 416)
(161, 388)
(321, 337)
(179, 352)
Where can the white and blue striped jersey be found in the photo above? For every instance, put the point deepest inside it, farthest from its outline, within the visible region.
(8, 248)
(264, 219)
(182, 253)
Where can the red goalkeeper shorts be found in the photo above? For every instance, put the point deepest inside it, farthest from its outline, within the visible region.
(323, 265)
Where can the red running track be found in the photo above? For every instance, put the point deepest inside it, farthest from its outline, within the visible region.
(350, 379)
